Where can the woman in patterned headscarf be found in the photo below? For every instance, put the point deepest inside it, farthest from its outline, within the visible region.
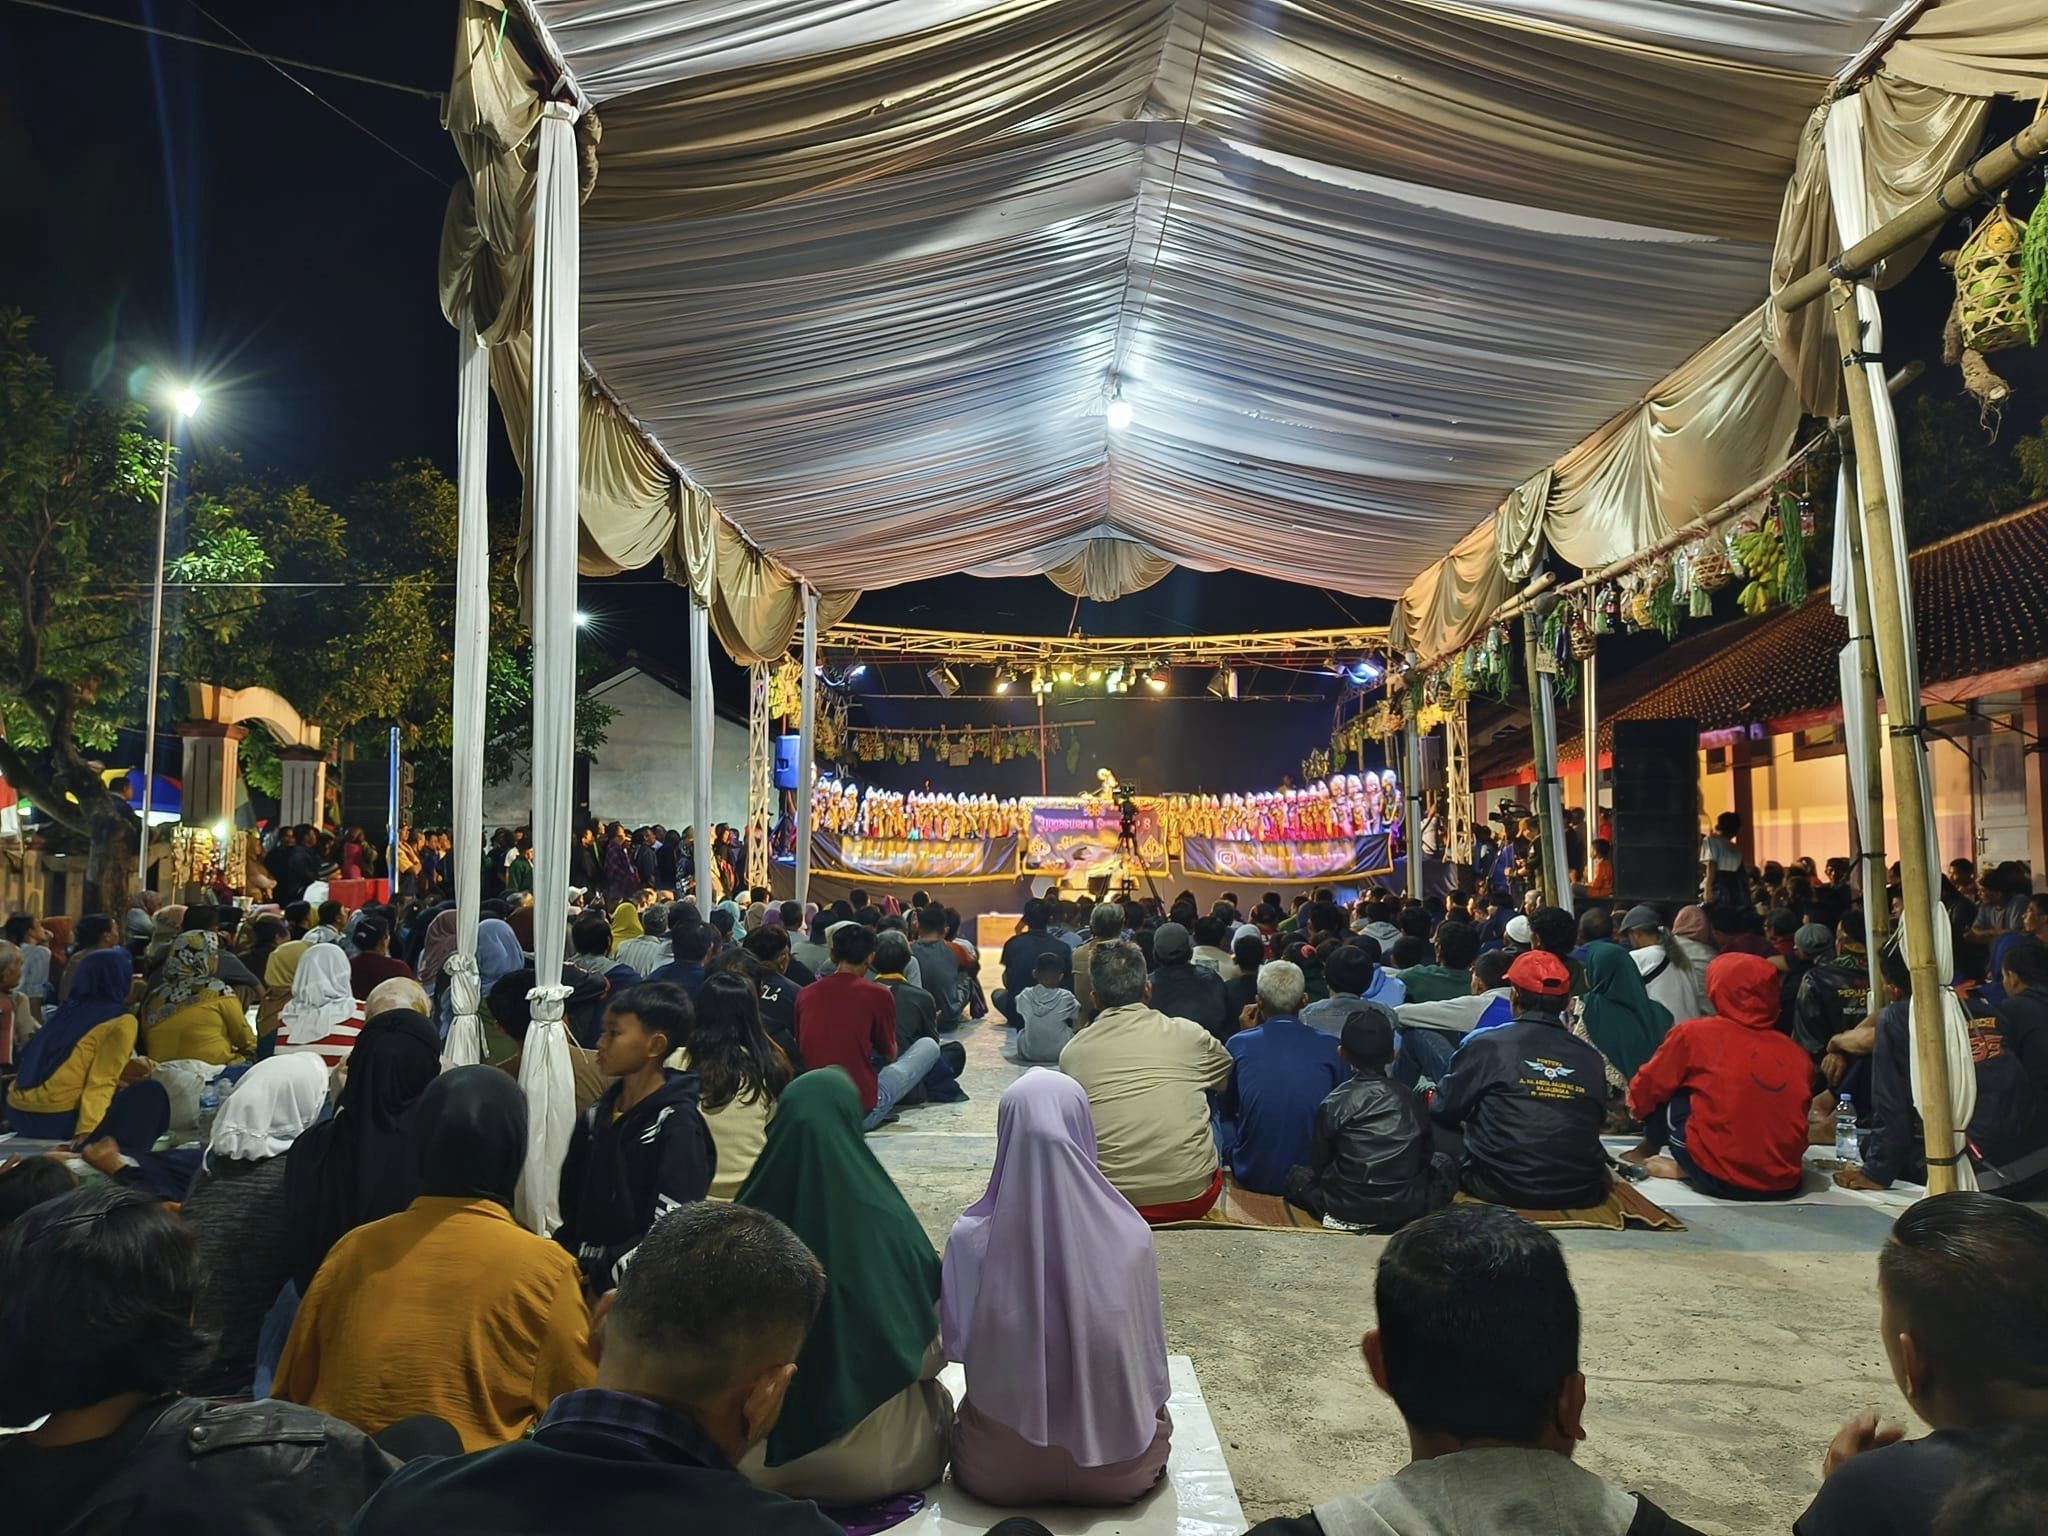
(191, 1014)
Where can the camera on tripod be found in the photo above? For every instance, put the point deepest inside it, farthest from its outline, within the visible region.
(1127, 813)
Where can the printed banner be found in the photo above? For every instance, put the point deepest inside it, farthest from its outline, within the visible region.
(904, 858)
(1340, 858)
(1078, 837)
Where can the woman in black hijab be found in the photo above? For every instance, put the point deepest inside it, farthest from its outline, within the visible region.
(469, 1136)
(359, 1165)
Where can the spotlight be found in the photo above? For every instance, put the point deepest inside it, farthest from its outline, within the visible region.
(1003, 680)
(582, 618)
(858, 669)
(1066, 672)
(1224, 684)
(1118, 413)
(1114, 683)
(1095, 674)
(945, 682)
(1156, 679)
(1364, 670)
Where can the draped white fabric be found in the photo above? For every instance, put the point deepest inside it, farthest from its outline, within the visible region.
(867, 271)
(551, 473)
(807, 746)
(701, 726)
(1845, 133)
(465, 1044)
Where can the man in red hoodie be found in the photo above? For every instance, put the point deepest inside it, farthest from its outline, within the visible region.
(1725, 1097)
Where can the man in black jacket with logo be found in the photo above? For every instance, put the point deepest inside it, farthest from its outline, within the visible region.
(643, 1148)
(1530, 1099)
(1372, 1160)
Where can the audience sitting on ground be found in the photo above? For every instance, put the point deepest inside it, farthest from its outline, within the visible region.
(2006, 1137)
(643, 1148)
(1834, 994)
(1963, 1308)
(449, 1308)
(590, 951)
(1283, 1070)
(26, 1183)
(1477, 1343)
(70, 1071)
(1105, 926)
(98, 1334)
(358, 1165)
(190, 1014)
(692, 946)
(1020, 956)
(700, 1350)
(236, 1207)
(1066, 1397)
(938, 965)
(741, 1074)
(1529, 1100)
(1050, 1013)
(1372, 1163)
(322, 1017)
(775, 988)
(1210, 935)
(373, 962)
(847, 1021)
(865, 1418)
(1457, 946)
(1670, 974)
(1247, 954)
(917, 1018)
(1723, 1101)
(1148, 1077)
(1432, 1032)
(1353, 974)
(1183, 990)
(1617, 1012)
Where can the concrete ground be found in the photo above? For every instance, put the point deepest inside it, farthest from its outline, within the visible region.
(1720, 1360)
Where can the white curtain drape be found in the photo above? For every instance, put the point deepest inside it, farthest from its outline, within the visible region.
(552, 477)
(1845, 151)
(465, 1045)
(807, 746)
(701, 727)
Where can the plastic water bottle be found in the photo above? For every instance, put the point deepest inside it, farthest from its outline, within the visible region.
(1848, 1148)
(209, 1106)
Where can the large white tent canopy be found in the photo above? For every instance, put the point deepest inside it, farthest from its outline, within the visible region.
(869, 273)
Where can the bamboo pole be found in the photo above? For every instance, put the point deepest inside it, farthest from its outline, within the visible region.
(1411, 804)
(1889, 597)
(1995, 169)
(1589, 732)
(1877, 915)
(1549, 789)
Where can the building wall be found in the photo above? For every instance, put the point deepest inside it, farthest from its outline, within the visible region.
(641, 774)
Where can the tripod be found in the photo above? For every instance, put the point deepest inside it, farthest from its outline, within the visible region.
(1127, 848)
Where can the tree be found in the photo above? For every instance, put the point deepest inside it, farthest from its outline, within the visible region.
(79, 479)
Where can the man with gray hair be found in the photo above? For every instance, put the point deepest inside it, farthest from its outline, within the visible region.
(649, 952)
(1105, 926)
(1284, 1069)
(1147, 1078)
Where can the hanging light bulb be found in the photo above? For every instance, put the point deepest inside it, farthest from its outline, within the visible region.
(1119, 413)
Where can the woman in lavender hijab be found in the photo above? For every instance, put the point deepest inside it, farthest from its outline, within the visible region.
(1050, 1298)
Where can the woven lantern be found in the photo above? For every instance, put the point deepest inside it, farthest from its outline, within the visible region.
(1990, 293)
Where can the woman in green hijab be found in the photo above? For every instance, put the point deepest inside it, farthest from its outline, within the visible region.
(1620, 1016)
(866, 1418)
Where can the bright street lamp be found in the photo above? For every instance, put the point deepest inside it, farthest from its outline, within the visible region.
(184, 403)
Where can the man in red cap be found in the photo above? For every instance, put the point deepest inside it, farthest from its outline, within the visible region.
(1529, 1099)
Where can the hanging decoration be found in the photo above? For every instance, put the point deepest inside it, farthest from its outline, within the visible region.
(957, 746)
(1771, 552)
(786, 690)
(2001, 273)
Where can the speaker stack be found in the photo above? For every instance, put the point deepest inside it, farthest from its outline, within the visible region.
(1656, 817)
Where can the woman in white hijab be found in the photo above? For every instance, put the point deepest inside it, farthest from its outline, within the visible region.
(323, 1017)
(237, 1208)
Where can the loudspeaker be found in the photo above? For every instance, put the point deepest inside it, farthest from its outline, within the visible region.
(1656, 812)
(788, 754)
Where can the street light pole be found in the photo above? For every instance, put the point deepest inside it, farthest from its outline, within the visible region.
(183, 404)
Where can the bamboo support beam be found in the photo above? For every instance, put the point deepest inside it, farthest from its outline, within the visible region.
(1549, 788)
(1877, 916)
(1411, 804)
(1889, 600)
(1995, 169)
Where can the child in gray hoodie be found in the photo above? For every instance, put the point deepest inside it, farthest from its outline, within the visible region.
(1047, 1011)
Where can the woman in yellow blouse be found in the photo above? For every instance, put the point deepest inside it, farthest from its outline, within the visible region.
(191, 1014)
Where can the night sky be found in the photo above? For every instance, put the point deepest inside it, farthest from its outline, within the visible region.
(196, 213)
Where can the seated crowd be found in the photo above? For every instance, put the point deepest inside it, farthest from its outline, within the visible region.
(330, 1313)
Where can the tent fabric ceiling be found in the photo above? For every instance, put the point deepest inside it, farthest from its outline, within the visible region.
(868, 270)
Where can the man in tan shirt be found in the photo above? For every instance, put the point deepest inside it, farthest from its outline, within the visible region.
(1147, 1077)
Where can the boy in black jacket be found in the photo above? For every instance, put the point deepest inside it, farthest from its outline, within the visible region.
(643, 1148)
(1372, 1160)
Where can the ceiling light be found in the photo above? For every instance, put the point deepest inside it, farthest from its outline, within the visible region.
(945, 682)
(1118, 412)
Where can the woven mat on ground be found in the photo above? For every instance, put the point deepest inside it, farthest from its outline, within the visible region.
(1241, 1208)
(1625, 1206)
